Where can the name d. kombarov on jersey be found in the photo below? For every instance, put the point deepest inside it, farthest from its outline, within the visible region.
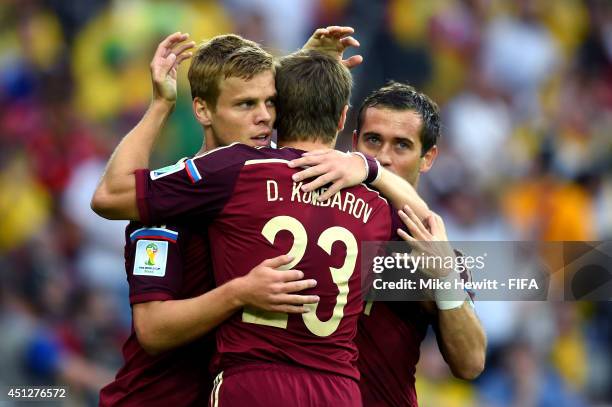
(343, 201)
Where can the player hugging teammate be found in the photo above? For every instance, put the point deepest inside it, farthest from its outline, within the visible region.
(282, 279)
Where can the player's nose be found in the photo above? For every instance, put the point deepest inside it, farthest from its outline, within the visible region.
(263, 114)
(384, 157)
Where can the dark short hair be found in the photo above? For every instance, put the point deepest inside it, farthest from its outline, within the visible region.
(222, 57)
(400, 96)
(312, 88)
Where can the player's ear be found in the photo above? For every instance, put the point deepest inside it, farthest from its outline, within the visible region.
(355, 140)
(202, 111)
(428, 159)
(342, 118)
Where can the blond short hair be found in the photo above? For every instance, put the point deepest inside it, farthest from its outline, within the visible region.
(225, 56)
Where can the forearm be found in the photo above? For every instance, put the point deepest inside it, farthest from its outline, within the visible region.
(134, 151)
(164, 325)
(462, 341)
(400, 192)
(115, 196)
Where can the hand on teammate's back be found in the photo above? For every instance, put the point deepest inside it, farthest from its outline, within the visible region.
(170, 53)
(270, 289)
(334, 40)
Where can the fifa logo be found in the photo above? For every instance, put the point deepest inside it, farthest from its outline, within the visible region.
(151, 253)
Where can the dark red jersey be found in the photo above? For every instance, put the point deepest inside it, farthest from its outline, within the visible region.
(164, 263)
(254, 212)
(388, 339)
(281, 385)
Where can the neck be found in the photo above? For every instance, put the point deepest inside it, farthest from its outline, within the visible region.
(307, 145)
(415, 182)
(208, 143)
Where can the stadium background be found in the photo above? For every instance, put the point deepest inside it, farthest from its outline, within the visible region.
(526, 154)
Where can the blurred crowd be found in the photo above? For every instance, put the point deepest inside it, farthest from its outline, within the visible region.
(525, 89)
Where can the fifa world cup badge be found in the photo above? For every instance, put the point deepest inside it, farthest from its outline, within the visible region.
(151, 257)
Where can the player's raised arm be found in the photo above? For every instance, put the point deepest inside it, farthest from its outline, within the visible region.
(115, 196)
(461, 337)
(400, 192)
(343, 170)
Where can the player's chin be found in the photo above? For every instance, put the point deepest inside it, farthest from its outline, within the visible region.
(261, 141)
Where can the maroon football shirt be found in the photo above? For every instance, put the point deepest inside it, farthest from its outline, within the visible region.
(164, 263)
(388, 339)
(255, 211)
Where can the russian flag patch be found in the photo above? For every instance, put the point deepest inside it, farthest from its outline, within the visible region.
(192, 171)
(154, 234)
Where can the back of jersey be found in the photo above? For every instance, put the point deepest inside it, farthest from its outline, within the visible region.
(268, 215)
